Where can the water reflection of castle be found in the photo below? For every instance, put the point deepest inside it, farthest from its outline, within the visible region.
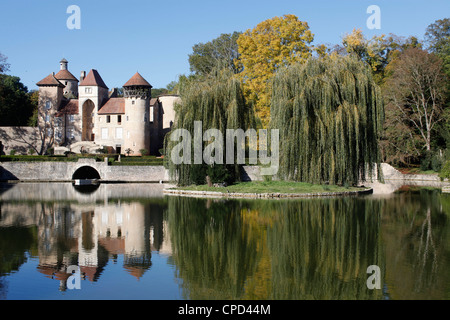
(89, 236)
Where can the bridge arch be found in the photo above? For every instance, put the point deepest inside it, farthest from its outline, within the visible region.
(86, 172)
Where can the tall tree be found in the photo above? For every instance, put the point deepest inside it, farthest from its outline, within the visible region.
(217, 101)
(329, 112)
(415, 92)
(437, 35)
(270, 46)
(218, 53)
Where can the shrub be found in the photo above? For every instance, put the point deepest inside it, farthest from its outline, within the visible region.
(445, 171)
(432, 161)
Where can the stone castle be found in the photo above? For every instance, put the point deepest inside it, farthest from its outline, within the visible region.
(84, 115)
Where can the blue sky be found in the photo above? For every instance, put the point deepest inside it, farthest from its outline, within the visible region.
(120, 37)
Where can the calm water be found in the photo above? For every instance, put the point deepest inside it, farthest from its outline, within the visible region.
(131, 242)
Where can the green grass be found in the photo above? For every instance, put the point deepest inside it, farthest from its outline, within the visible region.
(273, 187)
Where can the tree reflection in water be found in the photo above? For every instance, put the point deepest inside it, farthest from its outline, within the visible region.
(312, 248)
(242, 249)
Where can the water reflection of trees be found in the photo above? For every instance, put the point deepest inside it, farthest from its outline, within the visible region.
(303, 249)
(417, 240)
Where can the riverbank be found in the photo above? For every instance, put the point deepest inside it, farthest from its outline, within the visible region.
(268, 189)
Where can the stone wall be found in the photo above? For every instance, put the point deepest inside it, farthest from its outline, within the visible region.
(19, 139)
(63, 171)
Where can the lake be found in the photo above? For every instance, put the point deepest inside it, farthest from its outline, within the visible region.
(129, 241)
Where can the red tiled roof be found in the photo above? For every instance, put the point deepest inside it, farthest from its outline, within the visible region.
(65, 75)
(153, 101)
(50, 80)
(68, 107)
(93, 79)
(137, 81)
(113, 106)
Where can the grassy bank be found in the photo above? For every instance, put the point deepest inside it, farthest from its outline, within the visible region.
(273, 187)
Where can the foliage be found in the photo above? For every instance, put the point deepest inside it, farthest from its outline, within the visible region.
(270, 46)
(217, 53)
(415, 93)
(217, 100)
(437, 35)
(329, 112)
(4, 66)
(445, 171)
(15, 104)
(377, 52)
(158, 91)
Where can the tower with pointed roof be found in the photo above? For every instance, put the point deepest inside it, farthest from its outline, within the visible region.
(67, 79)
(137, 94)
(92, 94)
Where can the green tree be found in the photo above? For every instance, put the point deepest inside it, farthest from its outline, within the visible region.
(217, 100)
(437, 36)
(16, 106)
(217, 53)
(329, 113)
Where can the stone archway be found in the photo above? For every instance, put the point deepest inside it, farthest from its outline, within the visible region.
(86, 173)
(87, 121)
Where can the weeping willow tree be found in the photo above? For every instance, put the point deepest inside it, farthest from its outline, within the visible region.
(329, 112)
(217, 101)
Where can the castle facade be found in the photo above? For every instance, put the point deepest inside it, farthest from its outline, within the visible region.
(77, 115)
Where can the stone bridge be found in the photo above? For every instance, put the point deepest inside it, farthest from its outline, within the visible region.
(83, 169)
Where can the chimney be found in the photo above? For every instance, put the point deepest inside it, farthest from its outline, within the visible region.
(83, 75)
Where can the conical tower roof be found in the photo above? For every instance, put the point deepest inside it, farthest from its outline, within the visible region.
(137, 81)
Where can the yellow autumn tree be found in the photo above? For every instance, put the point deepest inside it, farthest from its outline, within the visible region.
(271, 45)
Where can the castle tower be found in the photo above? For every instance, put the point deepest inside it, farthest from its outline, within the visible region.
(50, 97)
(93, 92)
(67, 79)
(137, 94)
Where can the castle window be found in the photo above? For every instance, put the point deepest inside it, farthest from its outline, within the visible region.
(119, 119)
(71, 117)
(119, 133)
(47, 118)
(108, 119)
(132, 102)
(104, 133)
(48, 105)
(151, 114)
(88, 90)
